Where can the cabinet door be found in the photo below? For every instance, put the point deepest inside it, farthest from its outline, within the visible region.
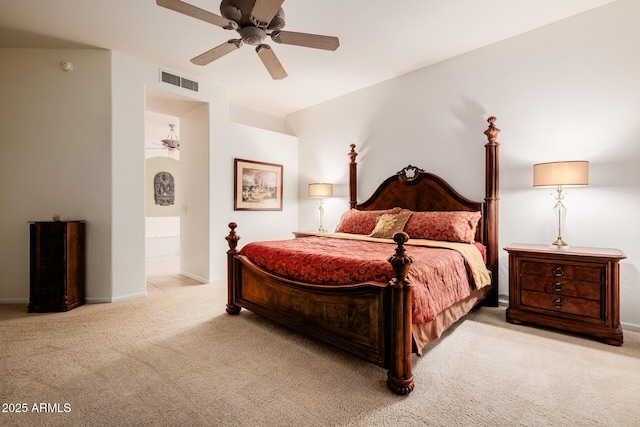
(57, 266)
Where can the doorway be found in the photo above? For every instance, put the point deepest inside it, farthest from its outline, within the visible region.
(172, 248)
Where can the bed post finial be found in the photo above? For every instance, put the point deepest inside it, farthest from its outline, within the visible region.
(352, 153)
(492, 198)
(492, 131)
(353, 177)
(400, 377)
(400, 260)
(232, 238)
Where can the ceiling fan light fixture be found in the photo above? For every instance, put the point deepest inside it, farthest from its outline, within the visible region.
(252, 35)
(171, 142)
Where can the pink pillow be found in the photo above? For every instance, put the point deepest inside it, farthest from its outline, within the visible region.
(453, 226)
(361, 222)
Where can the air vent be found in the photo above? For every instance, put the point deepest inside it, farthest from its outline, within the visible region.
(170, 78)
(178, 81)
(189, 84)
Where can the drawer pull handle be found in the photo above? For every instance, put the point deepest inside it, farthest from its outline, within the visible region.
(558, 272)
(558, 287)
(557, 303)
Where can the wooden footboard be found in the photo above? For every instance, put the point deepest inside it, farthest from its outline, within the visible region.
(369, 320)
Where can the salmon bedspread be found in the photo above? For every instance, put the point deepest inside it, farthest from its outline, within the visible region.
(440, 276)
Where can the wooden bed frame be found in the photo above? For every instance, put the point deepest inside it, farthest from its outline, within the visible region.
(370, 320)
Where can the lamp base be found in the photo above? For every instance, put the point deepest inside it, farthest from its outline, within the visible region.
(560, 243)
(321, 229)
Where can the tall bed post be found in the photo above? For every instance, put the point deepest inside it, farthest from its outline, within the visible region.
(399, 376)
(232, 239)
(353, 177)
(492, 179)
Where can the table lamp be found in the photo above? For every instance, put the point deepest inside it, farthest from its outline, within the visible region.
(320, 190)
(560, 174)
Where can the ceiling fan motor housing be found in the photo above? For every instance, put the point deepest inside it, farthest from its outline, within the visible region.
(239, 11)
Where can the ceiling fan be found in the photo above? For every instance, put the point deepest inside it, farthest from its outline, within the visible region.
(171, 142)
(254, 20)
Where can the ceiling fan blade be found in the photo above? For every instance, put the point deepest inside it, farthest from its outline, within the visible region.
(264, 10)
(271, 62)
(217, 52)
(196, 12)
(306, 40)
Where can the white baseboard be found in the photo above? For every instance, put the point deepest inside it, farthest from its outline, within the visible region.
(89, 300)
(630, 326)
(130, 296)
(14, 300)
(194, 277)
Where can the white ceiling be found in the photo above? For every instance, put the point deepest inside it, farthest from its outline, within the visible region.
(378, 40)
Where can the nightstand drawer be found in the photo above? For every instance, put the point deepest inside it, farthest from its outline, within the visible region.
(560, 270)
(578, 306)
(562, 287)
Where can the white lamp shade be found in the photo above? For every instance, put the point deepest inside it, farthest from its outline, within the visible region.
(320, 190)
(561, 173)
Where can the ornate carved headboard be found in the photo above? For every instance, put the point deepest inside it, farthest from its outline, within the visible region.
(413, 188)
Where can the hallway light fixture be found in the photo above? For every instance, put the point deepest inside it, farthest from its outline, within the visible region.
(172, 142)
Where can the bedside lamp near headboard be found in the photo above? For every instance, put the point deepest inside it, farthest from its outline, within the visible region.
(320, 190)
(560, 174)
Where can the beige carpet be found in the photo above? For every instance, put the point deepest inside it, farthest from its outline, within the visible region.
(176, 358)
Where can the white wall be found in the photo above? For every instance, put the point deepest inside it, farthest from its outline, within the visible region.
(244, 142)
(128, 179)
(195, 225)
(225, 141)
(74, 144)
(259, 119)
(55, 157)
(567, 91)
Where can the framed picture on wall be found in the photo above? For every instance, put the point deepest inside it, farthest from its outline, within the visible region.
(258, 186)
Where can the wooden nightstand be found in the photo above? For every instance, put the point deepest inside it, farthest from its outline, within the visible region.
(575, 289)
(307, 233)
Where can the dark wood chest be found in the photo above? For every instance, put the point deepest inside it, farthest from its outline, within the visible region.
(575, 289)
(57, 266)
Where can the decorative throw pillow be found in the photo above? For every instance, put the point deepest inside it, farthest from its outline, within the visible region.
(389, 224)
(453, 226)
(361, 222)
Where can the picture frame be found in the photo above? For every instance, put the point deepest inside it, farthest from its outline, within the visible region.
(257, 186)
